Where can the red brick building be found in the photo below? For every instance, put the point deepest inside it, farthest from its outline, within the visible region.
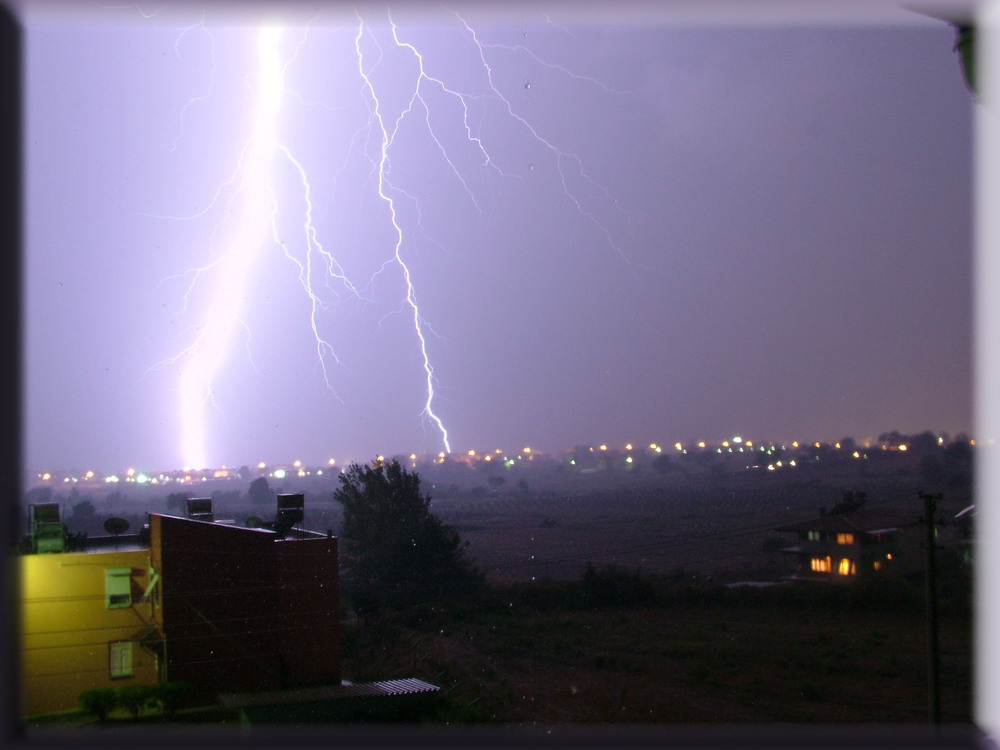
(243, 609)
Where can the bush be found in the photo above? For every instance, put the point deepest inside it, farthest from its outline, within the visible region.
(172, 695)
(615, 586)
(99, 702)
(136, 697)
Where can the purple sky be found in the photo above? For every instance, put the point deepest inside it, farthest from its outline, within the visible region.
(657, 231)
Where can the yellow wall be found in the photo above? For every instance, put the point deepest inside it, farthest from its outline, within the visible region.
(66, 627)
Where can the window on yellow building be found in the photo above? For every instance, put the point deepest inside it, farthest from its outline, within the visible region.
(846, 567)
(118, 587)
(120, 659)
(845, 538)
(820, 564)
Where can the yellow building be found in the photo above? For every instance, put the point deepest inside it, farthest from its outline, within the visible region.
(84, 624)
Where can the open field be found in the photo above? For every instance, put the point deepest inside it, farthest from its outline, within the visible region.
(714, 662)
(709, 527)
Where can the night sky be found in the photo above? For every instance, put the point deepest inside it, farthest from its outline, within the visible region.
(618, 226)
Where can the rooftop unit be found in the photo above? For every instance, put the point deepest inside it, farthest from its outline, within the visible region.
(290, 512)
(200, 509)
(48, 532)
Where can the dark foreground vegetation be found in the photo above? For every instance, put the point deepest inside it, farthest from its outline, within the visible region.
(620, 647)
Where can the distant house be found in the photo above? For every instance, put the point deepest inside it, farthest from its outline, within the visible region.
(840, 547)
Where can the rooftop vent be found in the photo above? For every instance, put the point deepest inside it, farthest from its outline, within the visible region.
(290, 512)
(200, 509)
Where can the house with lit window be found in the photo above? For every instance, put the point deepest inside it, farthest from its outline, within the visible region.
(840, 547)
(221, 607)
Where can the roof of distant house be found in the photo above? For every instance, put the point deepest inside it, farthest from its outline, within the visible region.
(857, 522)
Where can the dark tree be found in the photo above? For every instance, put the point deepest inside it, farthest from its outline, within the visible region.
(395, 551)
(260, 491)
(84, 512)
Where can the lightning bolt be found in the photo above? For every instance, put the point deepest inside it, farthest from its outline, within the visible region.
(251, 201)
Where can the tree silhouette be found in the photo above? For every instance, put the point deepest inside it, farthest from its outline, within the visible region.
(395, 551)
(260, 491)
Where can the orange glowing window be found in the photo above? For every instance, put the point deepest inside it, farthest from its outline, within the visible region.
(877, 565)
(820, 564)
(845, 538)
(846, 567)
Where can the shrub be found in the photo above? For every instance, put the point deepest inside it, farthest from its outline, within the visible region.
(136, 697)
(99, 702)
(172, 695)
(612, 585)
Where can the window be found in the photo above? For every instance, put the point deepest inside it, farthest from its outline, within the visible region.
(813, 536)
(118, 587)
(847, 567)
(845, 538)
(820, 564)
(120, 659)
(877, 565)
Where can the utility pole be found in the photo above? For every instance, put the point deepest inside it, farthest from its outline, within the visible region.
(933, 686)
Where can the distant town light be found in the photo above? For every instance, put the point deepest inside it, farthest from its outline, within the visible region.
(701, 443)
(628, 446)
(903, 447)
(89, 475)
(441, 455)
(749, 444)
(261, 465)
(413, 457)
(488, 457)
(725, 443)
(130, 473)
(795, 443)
(737, 439)
(297, 463)
(526, 450)
(279, 473)
(603, 447)
(472, 453)
(46, 477)
(110, 479)
(628, 460)
(331, 462)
